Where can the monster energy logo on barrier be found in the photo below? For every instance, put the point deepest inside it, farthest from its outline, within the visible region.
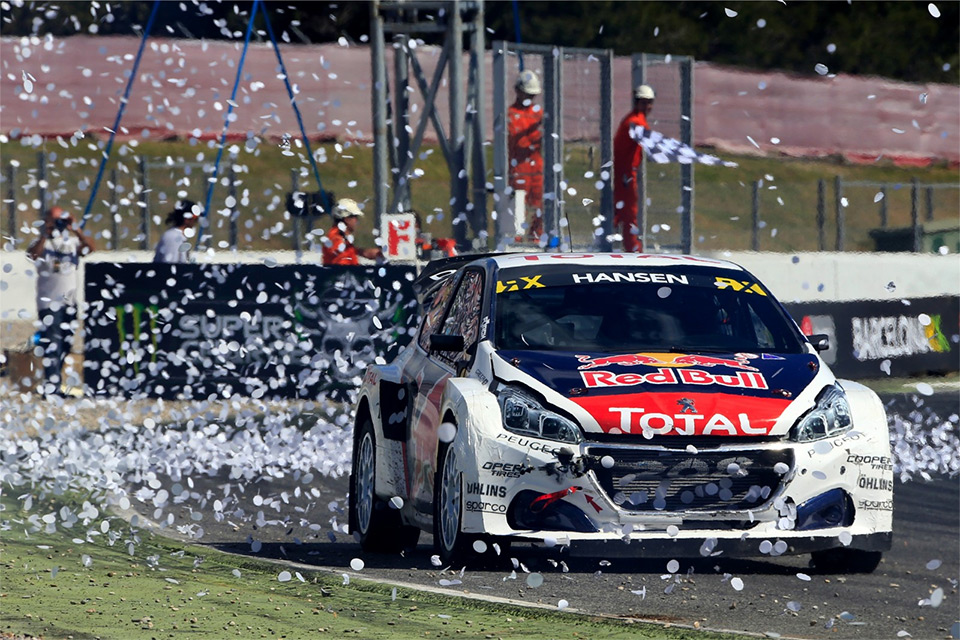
(128, 342)
(249, 329)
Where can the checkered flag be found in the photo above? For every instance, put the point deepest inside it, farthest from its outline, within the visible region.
(663, 150)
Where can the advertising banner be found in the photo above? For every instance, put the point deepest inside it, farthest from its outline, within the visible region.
(195, 331)
(875, 339)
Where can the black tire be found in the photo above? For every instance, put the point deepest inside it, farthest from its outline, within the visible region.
(378, 527)
(841, 561)
(451, 544)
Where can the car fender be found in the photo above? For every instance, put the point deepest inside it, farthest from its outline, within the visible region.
(390, 476)
(860, 461)
(475, 410)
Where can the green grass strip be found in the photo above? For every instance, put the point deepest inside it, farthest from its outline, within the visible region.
(71, 584)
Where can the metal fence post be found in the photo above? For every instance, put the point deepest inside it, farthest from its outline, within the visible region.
(459, 184)
(821, 214)
(234, 211)
(295, 184)
(551, 133)
(686, 170)
(606, 148)
(379, 97)
(42, 180)
(915, 213)
(883, 207)
(929, 194)
(401, 119)
(12, 200)
(838, 204)
(755, 208)
(478, 157)
(114, 209)
(144, 205)
(501, 162)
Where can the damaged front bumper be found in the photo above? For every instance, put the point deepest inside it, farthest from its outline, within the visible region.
(745, 498)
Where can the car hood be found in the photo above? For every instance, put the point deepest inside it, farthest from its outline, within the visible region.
(672, 394)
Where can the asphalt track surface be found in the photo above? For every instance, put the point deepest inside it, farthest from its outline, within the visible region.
(781, 597)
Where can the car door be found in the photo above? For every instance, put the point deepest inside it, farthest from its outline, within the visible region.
(461, 317)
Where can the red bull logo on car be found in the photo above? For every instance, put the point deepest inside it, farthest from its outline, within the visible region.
(742, 379)
(738, 361)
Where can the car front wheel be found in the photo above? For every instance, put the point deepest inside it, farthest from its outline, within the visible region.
(379, 527)
(451, 543)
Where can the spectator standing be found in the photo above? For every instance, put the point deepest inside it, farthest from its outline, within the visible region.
(174, 244)
(524, 132)
(338, 247)
(627, 156)
(56, 254)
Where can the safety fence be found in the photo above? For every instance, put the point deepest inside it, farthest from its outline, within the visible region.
(851, 215)
(138, 193)
(204, 331)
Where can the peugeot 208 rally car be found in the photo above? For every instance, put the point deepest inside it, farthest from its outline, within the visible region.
(622, 405)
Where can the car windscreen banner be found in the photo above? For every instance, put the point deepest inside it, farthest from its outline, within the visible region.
(875, 339)
(538, 277)
(198, 331)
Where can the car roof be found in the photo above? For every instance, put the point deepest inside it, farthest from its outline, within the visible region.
(515, 260)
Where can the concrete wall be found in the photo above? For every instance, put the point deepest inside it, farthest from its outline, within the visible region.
(801, 277)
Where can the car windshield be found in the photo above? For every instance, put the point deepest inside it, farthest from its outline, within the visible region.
(624, 309)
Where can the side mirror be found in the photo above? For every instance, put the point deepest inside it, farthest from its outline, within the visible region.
(444, 342)
(820, 341)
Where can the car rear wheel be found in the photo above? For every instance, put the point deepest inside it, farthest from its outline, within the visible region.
(846, 560)
(379, 527)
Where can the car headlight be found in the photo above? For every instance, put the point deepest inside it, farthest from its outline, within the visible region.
(830, 417)
(525, 416)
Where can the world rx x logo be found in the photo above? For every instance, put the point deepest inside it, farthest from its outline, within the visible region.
(739, 285)
(686, 405)
(523, 283)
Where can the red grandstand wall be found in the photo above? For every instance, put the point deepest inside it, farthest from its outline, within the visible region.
(78, 81)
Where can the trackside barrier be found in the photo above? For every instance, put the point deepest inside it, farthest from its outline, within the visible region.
(874, 339)
(216, 330)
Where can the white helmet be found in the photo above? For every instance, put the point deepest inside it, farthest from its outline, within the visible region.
(529, 83)
(644, 92)
(347, 207)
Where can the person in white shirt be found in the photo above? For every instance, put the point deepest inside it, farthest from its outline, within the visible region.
(174, 245)
(56, 254)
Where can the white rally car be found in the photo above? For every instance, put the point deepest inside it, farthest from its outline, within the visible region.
(623, 405)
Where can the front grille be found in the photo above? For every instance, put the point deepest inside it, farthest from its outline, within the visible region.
(656, 480)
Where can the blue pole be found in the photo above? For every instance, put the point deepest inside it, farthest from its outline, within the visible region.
(226, 121)
(123, 106)
(516, 29)
(293, 100)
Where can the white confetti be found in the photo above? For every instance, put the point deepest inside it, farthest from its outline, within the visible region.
(934, 10)
(284, 576)
(730, 12)
(357, 564)
(737, 584)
